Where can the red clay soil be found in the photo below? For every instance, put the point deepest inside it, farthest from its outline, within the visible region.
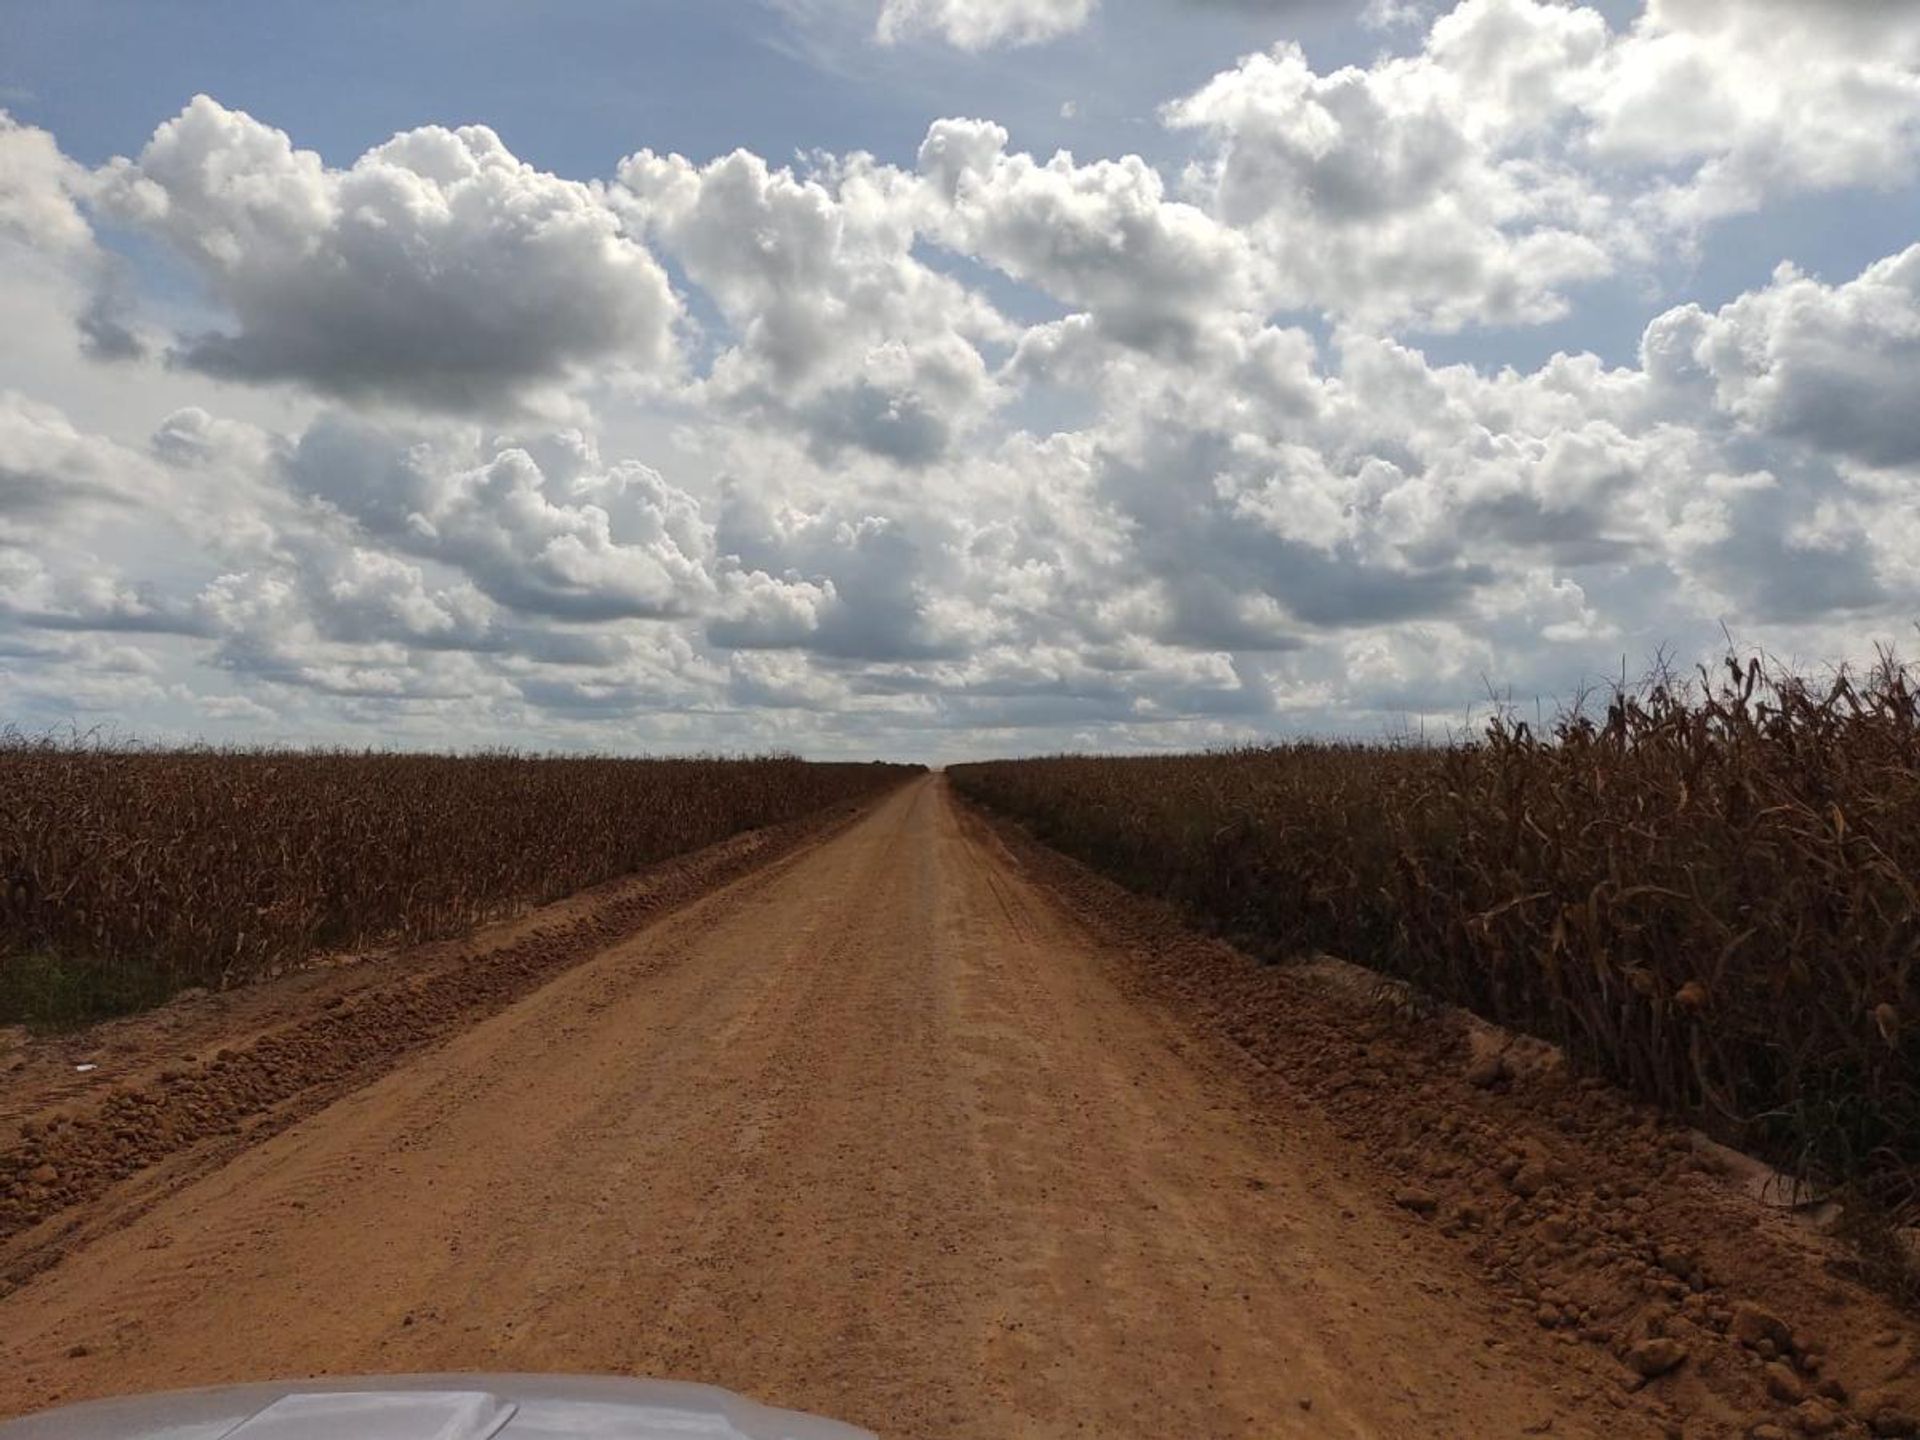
(87, 1109)
(1615, 1230)
(920, 1125)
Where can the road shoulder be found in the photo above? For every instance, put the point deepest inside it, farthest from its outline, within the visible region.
(1605, 1225)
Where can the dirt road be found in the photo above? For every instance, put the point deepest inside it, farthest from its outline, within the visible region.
(872, 1131)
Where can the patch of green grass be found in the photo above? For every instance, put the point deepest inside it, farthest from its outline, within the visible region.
(44, 991)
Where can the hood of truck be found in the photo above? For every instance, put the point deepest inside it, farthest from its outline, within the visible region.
(433, 1407)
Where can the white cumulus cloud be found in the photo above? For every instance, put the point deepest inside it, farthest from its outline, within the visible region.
(982, 24)
(839, 330)
(438, 269)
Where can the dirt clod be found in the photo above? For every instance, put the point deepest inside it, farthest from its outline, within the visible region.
(1814, 1418)
(1759, 1327)
(1656, 1357)
(1530, 1179)
(1783, 1384)
(1489, 1070)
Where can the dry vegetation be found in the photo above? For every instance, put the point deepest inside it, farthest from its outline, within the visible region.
(132, 873)
(1708, 893)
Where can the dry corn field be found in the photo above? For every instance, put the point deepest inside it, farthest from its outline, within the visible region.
(1708, 894)
(131, 874)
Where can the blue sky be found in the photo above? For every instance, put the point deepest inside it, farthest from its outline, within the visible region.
(1359, 355)
(575, 85)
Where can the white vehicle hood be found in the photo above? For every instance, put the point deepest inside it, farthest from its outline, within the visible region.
(434, 1407)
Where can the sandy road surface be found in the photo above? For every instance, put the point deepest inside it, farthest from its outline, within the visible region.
(870, 1132)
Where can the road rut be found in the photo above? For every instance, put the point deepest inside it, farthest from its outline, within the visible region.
(871, 1132)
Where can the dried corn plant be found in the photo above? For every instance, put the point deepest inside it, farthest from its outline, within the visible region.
(131, 873)
(1710, 892)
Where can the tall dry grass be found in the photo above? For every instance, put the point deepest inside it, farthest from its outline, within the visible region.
(1710, 892)
(131, 873)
